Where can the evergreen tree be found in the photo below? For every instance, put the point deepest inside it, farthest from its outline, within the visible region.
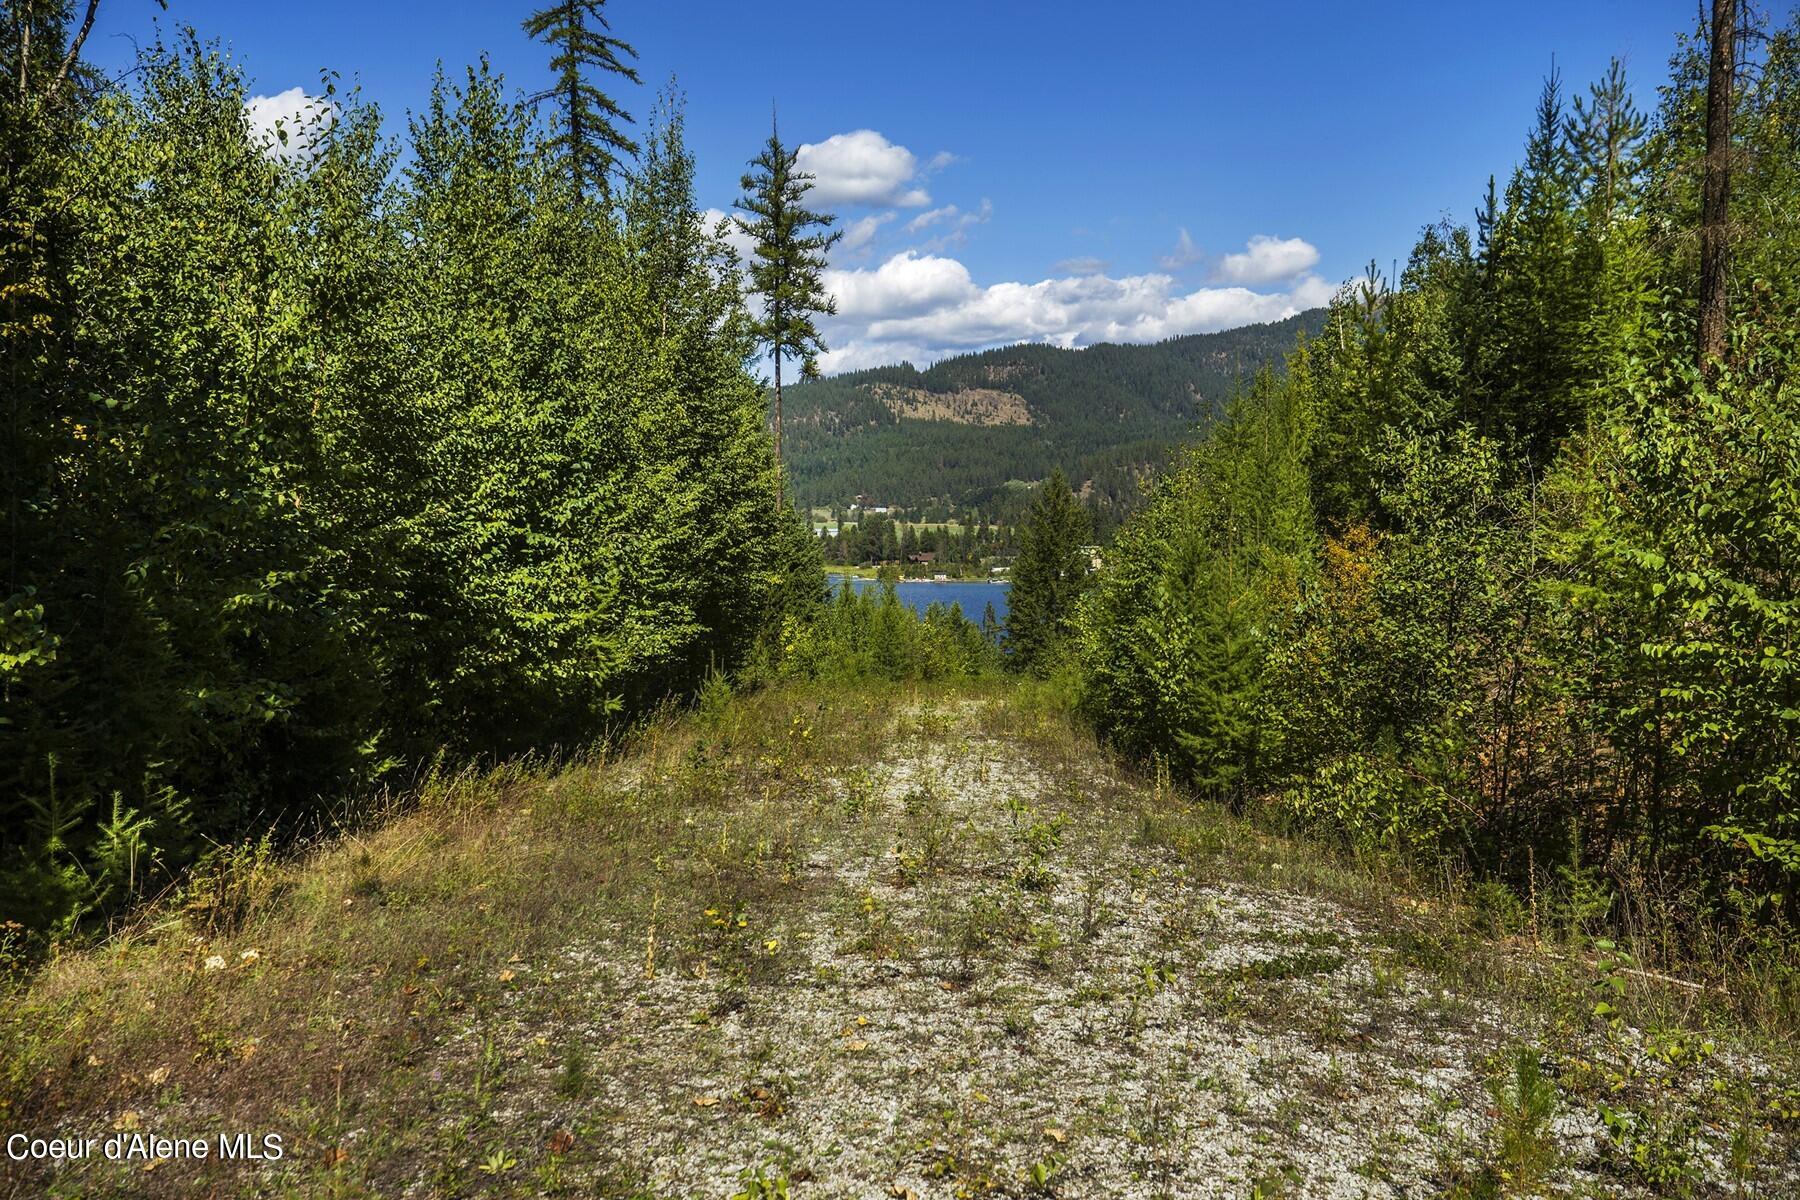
(589, 139)
(684, 263)
(788, 261)
(1603, 135)
(1172, 635)
(1538, 279)
(704, 432)
(1049, 575)
(1606, 138)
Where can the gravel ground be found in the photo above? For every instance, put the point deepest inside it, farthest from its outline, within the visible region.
(983, 973)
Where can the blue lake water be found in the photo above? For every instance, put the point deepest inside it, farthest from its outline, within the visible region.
(919, 594)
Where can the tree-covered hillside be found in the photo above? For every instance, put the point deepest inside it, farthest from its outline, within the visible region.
(959, 430)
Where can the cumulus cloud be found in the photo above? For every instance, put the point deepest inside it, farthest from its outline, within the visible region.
(1267, 259)
(861, 355)
(288, 125)
(863, 167)
(905, 285)
(921, 307)
(1083, 264)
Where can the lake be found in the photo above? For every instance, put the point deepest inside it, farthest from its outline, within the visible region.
(920, 594)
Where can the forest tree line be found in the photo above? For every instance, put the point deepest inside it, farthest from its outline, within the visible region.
(879, 539)
(1506, 565)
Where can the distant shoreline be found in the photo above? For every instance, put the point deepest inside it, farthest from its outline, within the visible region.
(868, 573)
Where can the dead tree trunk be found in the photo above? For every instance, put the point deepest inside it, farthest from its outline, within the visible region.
(1715, 202)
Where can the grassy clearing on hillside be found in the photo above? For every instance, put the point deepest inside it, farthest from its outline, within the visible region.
(889, 942)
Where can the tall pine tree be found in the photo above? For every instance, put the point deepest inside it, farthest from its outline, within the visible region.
(1603, 136)
(788, 261)
(589, 140)
(1715, 203)
(1538, 268)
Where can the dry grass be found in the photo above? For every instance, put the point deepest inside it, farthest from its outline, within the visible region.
(880, 943)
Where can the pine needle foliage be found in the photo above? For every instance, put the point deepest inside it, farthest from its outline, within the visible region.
(589, 137)
(1048, 576)
(788, 262)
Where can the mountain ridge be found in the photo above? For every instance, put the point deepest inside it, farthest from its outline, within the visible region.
(977, 429)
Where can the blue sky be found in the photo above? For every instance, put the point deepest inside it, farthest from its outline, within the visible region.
(1047, 171)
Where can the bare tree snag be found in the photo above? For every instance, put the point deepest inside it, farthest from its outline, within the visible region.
(68, 62)
(1715, 202)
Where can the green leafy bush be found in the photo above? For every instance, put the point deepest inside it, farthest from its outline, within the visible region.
(328, 463)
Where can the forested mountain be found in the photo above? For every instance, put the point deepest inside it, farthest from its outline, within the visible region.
(961, 429)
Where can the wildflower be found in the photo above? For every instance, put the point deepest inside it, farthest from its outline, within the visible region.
(215, 962)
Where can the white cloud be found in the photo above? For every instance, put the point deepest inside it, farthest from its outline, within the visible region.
(956, 220)
(926, 219)
(1266, 259)
(922, 307)
(860, 356)
(862, 167)
(1186, 254)
(1083, 264)
(858, 233)
(905, 284)
(303, 119)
